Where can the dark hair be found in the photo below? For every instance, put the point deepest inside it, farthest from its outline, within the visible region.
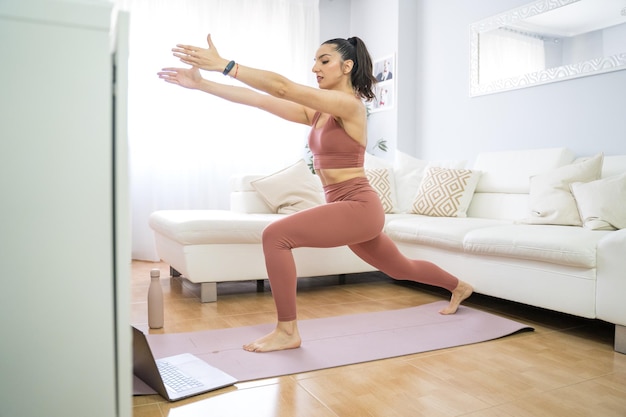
(362, 76)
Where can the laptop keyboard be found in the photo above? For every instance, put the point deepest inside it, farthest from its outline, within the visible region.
(175, 379)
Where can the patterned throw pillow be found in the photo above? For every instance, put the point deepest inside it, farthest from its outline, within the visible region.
(445, 192)
(379, 178)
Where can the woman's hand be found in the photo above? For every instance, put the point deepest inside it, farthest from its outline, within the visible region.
(185, 77)
(207, 59)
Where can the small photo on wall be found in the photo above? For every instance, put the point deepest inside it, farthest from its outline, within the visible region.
(384, 96)
(384, 71)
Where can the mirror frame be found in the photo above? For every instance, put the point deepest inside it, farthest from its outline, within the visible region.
(549, 75)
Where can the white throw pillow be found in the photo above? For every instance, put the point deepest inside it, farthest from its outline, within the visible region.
(407, 172)
(380, 180)
(602, 203)
(291, 189)
(445, 192)
(550, 198)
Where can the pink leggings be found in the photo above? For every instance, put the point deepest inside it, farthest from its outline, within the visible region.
(353, 216)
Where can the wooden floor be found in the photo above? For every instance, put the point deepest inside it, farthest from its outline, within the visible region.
(566, 367)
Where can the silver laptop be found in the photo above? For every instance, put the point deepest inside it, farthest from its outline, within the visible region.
(175, 377)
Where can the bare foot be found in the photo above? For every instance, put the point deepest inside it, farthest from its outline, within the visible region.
(462, 291)
(284, 336)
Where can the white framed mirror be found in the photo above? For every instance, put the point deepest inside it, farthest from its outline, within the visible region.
(547, 41)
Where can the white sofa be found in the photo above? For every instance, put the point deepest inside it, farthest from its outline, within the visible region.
(511, 230)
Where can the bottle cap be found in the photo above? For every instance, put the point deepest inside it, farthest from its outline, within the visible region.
(155, 273)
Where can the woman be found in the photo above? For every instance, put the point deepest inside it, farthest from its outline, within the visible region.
(354, 215)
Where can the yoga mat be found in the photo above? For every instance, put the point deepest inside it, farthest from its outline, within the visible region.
(340, 340)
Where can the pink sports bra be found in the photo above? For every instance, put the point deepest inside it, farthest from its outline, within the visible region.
(332, 147)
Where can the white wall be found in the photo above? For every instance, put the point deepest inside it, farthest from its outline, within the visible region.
(585, 114)
(372, 21)
(334, 19)
(375, 22)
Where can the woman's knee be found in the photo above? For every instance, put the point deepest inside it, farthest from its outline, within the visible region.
(274, 235)
(269, 233)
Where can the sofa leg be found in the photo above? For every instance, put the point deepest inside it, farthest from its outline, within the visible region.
(174, 273)
(620, 338)
(260, 285)
(208, 292)
(342, 279)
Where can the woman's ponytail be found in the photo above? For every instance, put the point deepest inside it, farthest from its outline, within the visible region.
(362, 75)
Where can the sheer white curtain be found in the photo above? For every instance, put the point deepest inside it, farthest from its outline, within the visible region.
(505, 54)
(185, 145)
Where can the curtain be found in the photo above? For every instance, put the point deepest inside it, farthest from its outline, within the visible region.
(505, 54)
(184, 145)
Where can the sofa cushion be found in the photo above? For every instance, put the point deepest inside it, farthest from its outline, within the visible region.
(445, 192)
(509, 171)
(503, 206)
(380, 174)
(443, 232)
(408, 173)
(613, 165)
(291, 189)
(573, 246)
(550, 198)
(243, 182)
(202, 227)
(244, 198)
(381, 179)
(601, 203)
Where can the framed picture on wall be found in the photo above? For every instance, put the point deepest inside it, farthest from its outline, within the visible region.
(384, 71)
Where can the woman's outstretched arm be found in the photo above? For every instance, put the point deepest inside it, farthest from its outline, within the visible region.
(326, 101)
(192, 79)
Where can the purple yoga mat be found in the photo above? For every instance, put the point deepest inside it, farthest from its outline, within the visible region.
(337, 341)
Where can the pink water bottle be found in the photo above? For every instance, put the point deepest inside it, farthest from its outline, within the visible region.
(155, 300)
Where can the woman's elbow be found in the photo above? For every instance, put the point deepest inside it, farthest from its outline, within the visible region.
(281, 91)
